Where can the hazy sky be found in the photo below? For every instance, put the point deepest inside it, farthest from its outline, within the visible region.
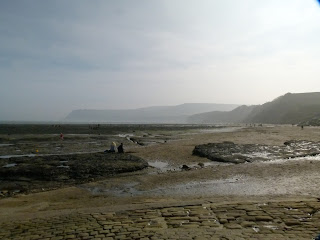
(57, 56)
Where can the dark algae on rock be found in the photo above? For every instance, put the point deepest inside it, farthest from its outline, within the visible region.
(230, 152)
(25, 174)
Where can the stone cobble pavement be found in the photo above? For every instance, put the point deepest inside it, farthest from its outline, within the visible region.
(242, 220)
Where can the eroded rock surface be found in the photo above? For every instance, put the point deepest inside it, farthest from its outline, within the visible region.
(241, 153)
(193, 221)
(26, 174)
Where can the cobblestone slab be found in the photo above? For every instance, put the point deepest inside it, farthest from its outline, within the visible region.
(254, 220)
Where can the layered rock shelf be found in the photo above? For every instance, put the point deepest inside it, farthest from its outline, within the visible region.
(241, 153)
(25, 174)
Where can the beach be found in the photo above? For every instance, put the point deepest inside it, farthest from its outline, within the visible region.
(272, 199)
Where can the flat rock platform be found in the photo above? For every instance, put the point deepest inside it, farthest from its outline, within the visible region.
(45, 172)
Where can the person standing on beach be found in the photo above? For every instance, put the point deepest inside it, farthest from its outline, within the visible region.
(120, 148)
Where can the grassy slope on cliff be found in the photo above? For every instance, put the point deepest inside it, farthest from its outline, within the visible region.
(288, 109)
(235, 116)
(297, 108)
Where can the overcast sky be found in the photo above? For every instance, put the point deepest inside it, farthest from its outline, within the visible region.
(57, 56)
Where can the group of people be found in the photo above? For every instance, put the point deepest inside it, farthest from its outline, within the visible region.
(113, 148)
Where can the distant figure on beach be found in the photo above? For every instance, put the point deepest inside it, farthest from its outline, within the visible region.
(112, 148)
(61, 136)
(120, 148)
(301, 126)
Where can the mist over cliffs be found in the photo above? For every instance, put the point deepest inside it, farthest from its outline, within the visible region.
(238, 115)
(156, 114)
(291, 108)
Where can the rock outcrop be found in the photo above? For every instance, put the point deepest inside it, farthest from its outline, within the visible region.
(25, 174)
(230, 152)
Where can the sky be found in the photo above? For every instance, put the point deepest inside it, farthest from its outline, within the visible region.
(58, 56)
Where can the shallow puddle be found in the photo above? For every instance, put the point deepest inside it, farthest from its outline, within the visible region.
(10, 165)
(5, 144)
(49, 154)
(284, 160)
(63, 166)
(125, 135)
(20, 155)
(208, 164)
(221, 130)
(161, 166)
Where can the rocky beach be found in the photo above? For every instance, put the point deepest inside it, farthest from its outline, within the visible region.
(173, 182)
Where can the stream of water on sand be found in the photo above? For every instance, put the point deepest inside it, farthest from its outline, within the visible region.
(49, 154)
(240, 185)
(5, 144)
